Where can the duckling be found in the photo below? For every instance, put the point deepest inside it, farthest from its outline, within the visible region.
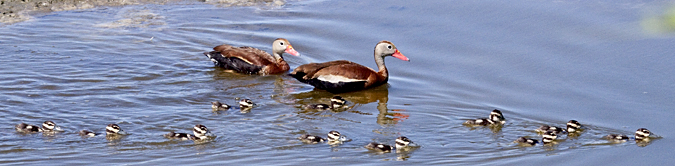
(217, 106)
(379, 147)
(246, 103)
(336, 137)
(318, 107)
(616, 137)
(200, 133)
(549, 137)
(87, 133)
(312, 139)
(642, 134)
(496, 118)
(335, 103)
(180, 136)
(403, 142)
(114, 129)
(26, 128)
(526, 141)
(573, 126)
(47, 126)
(333, 137)
(545, 128)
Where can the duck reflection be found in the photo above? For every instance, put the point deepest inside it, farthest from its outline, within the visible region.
(379, 94)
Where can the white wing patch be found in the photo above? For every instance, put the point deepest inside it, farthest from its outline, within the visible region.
(337, 79)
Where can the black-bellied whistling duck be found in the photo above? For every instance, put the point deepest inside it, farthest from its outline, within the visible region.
(344, 76)
(251, 60)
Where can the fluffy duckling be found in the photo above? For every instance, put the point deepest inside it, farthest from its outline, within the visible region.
(642, 134)
(526, 141)
(200, 133)
(549, 137)
(546, 128)
(246, 103)
(496, 118)
(404, 142)
(114, 129)
(616, 137)
(87, 133)
(379, 147)
(318, 107)
(573, 126)
(26, 128)
(217, 106)
(333, 137)
(312, 139)
(336, 102)
(47, 126)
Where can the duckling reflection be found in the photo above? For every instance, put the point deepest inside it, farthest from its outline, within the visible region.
(378, 94)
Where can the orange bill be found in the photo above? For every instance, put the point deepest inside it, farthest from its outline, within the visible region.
(292, 51)
(400, 56)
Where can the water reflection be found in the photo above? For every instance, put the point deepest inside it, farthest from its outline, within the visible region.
(643, 143)
(244, 110)
(663, 22)
(385, 116)
(574, 135)
(494, 128)
(113, 138)
(402, 156)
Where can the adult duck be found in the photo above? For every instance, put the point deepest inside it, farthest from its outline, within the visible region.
(251, 60)
(344, 76)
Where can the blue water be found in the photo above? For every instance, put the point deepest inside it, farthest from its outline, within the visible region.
(141, 66)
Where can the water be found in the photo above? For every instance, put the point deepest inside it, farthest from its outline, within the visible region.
(141, 66)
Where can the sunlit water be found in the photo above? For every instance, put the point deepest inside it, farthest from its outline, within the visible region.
(141, 66)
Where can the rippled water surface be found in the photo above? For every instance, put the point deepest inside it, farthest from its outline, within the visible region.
(141, 66)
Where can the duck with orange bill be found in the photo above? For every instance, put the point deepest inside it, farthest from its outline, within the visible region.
(251, 60)
(345, 76)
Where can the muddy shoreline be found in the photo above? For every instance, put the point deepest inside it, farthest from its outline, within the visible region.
(12, 11)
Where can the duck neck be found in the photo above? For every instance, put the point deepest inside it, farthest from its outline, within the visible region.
(279, 60)
(382, 69)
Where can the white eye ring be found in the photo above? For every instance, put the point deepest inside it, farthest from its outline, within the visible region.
(281, 43)
(389, 46)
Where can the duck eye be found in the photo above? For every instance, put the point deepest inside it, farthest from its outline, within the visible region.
(282, 43)
(389, 46)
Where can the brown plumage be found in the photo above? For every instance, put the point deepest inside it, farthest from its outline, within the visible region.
(344, 76)
(251, 60)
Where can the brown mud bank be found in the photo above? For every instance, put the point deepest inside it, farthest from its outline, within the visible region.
(12, 11)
